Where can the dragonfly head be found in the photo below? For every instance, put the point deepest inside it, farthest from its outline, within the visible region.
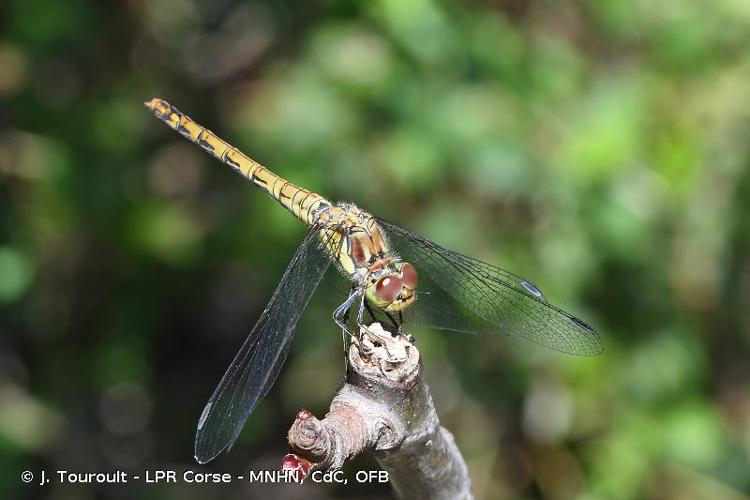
(393, 289)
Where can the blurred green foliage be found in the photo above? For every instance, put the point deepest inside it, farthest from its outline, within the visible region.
(598, 148)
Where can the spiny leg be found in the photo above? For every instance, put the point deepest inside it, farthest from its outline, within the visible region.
(345, 317)
(363, 305)
(369, 310)
(361, 312)
(392, 320)
(374, 317)
(343, 335)
(341, 314)
(407, 336)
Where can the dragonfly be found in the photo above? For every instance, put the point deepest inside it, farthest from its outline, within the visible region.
(393, 275)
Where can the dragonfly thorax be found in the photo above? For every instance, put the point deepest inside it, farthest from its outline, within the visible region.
(352, 238)
(355, 240)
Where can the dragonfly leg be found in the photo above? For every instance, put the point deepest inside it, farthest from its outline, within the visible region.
(342, 311)
(361, 312)
(360, 318)
(392, 320)
(369, 310)
(401, 331)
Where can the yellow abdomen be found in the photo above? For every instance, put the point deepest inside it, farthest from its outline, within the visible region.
(301, 202)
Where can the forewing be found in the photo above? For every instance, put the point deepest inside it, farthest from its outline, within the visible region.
(253, 371)
(456, 292)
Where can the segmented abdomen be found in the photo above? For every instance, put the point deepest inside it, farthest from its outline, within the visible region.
(301, 202)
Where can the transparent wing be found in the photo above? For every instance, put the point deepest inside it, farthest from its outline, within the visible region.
(253, 371)
(456, 292)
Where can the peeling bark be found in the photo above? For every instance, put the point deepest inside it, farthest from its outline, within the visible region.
(384, 407)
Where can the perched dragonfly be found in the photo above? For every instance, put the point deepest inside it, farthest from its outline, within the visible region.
(395, 277)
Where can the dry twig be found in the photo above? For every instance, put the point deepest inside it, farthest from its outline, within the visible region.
(384, 407)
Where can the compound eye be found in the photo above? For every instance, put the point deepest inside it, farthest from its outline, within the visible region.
(409, 276)
(388, 288)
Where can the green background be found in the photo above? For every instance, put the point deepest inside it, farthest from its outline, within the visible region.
(600, 149)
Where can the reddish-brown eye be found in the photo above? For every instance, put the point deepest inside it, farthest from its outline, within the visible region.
(409, 276)
(388, 288)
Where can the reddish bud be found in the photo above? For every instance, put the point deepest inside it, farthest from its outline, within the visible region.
(299, 465)
(303, 415)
